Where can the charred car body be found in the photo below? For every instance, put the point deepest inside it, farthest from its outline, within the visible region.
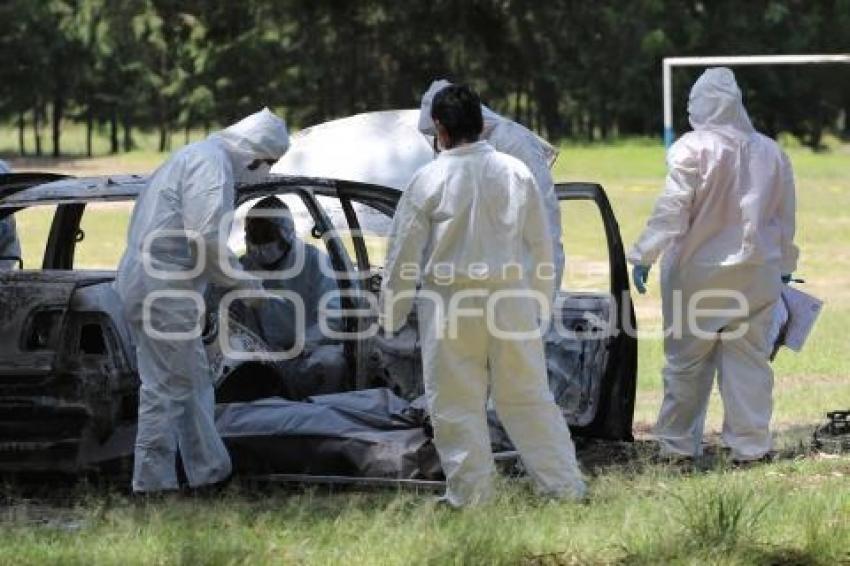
(68, 374)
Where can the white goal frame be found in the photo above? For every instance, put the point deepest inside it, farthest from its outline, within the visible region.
(669, 62)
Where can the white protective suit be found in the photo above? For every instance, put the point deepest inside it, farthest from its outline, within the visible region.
(474, 211)
(322, 367)
(518, 141)
(10, 246)
(725, 221)
(189, 194)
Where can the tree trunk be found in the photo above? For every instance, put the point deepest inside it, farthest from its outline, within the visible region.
(517, 105)
(845, 134)
(603, 123)
(22, 124)
(128, 134)
(817, 135)
(58, 109)
(354, 71)
(113, 133)
(162, 103)
(36, 129)
(548, 117)
(541, 126)
(89, 129)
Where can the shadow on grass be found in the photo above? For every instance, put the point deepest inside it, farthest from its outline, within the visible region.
(677, 552)
(599, 457)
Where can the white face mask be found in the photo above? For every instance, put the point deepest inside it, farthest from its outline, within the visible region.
(266, 255)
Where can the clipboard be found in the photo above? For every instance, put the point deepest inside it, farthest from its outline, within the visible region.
(794, 319)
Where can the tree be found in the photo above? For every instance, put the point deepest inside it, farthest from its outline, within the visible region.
(569, 68)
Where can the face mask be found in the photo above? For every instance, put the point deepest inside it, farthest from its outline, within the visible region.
(266, 254)
(245, 175)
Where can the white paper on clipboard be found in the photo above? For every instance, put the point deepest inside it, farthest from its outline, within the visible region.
(795, 318)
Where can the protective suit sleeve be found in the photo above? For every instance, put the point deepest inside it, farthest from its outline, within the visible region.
(672, 213)
(10, 246)
(408, 238)
(207, 196)
(788, 220)
(534, 154)
(539, 242)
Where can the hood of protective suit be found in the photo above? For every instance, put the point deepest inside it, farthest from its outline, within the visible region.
(279, 215)
(491, 120)
(261, 135)
(715, 103)
(285, 226)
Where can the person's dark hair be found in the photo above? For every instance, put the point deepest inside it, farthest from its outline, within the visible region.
(458, 109)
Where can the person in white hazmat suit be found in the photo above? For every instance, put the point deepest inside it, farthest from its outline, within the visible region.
(518, 141)
(301, 268)
(476, 214)
(725, 223)
(176, 247)
(10, 246)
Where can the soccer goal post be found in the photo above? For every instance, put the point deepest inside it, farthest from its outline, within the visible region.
(730, 61)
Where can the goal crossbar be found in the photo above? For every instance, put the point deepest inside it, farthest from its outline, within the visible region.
(734, 60)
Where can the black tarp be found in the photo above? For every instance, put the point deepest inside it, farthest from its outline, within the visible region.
(368, 433)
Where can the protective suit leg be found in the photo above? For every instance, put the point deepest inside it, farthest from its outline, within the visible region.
(746, 387)
(175, 405)
(525, 404)
(154, 466)
(204, 455)
(456, 382)
(688, 377)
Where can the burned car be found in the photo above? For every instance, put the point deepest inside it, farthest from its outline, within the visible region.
(68, 374)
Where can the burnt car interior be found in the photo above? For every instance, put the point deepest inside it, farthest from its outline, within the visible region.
(67, 358)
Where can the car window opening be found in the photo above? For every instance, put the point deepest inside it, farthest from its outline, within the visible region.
(92, 340)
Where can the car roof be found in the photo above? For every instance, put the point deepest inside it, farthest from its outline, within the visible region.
(21, 190)
(27, 189)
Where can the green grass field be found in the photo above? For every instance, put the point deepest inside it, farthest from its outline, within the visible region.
(796, 511)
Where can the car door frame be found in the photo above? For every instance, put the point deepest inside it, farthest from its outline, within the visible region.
(615, 413)
(615, 406)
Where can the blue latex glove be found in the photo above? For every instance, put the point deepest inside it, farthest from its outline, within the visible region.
(640, 273)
